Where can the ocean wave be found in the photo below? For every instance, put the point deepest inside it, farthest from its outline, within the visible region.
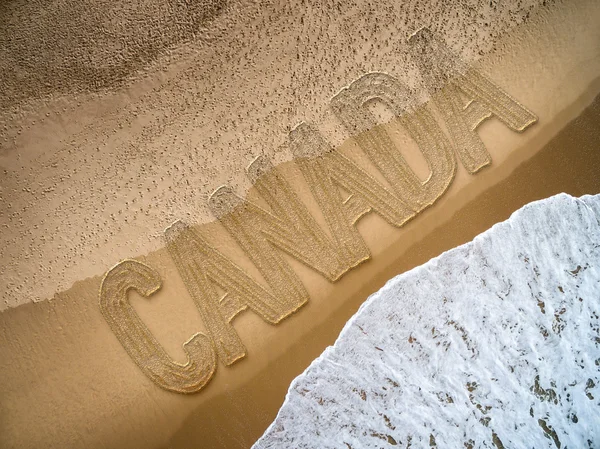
(495, 343)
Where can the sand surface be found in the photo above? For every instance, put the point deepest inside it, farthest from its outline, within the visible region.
(99, 158)
(95, 153)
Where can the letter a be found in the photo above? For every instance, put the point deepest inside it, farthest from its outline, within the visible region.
(446, 76)
(200, 265)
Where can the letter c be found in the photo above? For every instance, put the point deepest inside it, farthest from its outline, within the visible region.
(139, 342)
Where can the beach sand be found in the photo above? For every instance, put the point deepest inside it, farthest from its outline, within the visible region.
(71, 384)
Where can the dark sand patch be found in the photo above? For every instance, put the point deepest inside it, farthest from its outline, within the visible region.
(50, 47)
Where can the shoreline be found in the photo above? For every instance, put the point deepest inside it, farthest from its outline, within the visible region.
(292, 345)
(421, 252)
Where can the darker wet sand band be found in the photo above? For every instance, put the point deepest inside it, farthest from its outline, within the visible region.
(570, 163)
(102, 397)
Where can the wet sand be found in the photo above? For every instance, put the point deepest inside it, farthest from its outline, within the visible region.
(569, 163)
(77, 365)
(71, 384)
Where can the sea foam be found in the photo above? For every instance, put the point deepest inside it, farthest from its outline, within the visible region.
(495, 343)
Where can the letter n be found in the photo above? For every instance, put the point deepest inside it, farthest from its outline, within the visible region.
(325, 171)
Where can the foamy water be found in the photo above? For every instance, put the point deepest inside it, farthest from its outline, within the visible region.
(495, 343)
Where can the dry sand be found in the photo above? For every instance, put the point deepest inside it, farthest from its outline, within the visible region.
(71, 384)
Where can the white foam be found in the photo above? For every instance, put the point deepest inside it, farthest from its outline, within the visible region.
(460, 350)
